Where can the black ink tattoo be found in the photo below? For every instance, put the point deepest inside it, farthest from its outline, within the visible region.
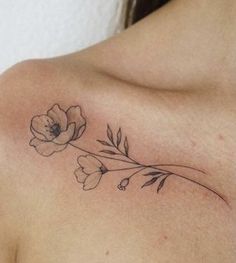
(57, 129)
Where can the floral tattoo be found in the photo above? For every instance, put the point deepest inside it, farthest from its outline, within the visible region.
(58, 128)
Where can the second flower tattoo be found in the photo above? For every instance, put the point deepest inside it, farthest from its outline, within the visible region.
(58, 128)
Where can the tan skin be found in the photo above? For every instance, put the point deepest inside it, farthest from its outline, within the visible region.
(169, 82)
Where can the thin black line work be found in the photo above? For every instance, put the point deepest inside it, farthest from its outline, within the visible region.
(57, 129)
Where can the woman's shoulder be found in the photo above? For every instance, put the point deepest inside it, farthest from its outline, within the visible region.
(72, 135)
(171, 121)
(169, 124)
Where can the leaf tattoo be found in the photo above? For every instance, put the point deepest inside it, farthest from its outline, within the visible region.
(153, 173)
(161, 184)
(152, 181)
(104, 143)
(118, 141)
(108, 152)
(110, 134)
(126, 146)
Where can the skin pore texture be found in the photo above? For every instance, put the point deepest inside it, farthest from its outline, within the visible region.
(169, 83)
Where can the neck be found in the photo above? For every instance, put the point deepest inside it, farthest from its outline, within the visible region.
(183, 45)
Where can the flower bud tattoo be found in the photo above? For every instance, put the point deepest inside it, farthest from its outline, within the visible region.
(123, 184)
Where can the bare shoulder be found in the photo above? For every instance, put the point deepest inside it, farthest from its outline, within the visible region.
(34, 93)
(25, 90)
(75, 144)
(47, 105)
(16, 85)
(28, 90)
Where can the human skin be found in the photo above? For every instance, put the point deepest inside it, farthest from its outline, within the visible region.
(169, 82)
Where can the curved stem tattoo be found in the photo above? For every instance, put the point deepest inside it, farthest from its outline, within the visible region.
(58, 128)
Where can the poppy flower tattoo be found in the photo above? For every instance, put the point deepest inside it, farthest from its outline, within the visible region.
(54, 131)
(90, 171)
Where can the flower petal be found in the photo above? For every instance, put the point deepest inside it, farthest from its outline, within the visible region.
(74, 115)
(40, 127)
(79, 131)
(46, 148)
(89, 164)
(59, 116)
(80, 175)
(65, 136)
(92, 181)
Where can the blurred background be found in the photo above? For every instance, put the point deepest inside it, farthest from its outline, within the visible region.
(40, 28)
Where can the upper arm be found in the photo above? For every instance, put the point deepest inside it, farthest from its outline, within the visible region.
(20, 91)
(27, 90)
